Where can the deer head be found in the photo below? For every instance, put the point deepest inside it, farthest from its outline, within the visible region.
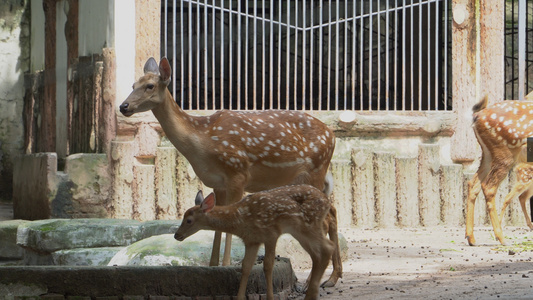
(149, 91)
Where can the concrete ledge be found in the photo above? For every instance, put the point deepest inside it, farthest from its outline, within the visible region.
(141, 281)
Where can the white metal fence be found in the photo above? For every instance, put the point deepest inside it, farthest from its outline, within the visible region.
(309, 54)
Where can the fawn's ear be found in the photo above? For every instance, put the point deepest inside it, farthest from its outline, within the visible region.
(199, 198)
(208, 203)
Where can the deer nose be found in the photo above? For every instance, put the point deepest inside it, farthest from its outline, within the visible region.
(124, 107)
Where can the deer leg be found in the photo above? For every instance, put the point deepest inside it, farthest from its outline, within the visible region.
(250, 256)
(215, 251)
(336, 261)
(518, 189)
(268, 266)
(320, 249)
(490, 186)
(232, 195)
(474, 187)
(523, 198)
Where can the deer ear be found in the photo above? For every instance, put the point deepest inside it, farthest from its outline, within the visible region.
(151, 66)
(208, 203)
(199, 198)
(164, 69)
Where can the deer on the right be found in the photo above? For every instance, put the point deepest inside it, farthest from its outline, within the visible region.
(502, 131)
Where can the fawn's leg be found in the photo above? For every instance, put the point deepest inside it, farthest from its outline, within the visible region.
(474, 187)
(250, 256)
(332, 230)
(320, 249)
(233, 194)
(523, 198)
(268, 266)
(518, 189)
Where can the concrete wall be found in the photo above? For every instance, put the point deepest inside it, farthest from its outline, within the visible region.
(14, 59)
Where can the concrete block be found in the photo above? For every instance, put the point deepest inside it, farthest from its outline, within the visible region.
(363, 188)
(187, 184)
(385, 189)
(429, 184)
(9, 250)
(407, 191)
(47, 236)
(342, 191)
(451, 193)
(165, 178)
(84, 256)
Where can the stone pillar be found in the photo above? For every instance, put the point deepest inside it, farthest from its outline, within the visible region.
(122, 160)
(363, 188)
(451, 193)
(428, 188)
(385, 189)
(407, 191)
(166, 194)
(477, 66)
(342, 191)
(144, 192)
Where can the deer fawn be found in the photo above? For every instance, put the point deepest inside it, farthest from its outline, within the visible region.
(523, 187)
(233, 152)
(502, 131)
(261, 218)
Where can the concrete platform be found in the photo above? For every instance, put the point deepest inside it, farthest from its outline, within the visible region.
(141, 282)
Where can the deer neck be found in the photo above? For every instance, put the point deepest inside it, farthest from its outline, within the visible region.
(177, 125)
(224, 218)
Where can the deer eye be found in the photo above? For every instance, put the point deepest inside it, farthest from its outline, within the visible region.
(149, 86)
(189, 221)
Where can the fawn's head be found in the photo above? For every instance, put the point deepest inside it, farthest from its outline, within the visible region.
(150, 89)
(194, 218)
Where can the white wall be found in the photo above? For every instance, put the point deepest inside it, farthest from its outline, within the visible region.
(124, 48)
(96, 26)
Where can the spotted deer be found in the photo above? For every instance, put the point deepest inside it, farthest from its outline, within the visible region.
(523, 188)
(261, 218)
(502, 131)
(241, 151)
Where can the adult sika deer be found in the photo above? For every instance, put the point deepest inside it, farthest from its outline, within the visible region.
(261, 218)
(233, 152)
(502, 131)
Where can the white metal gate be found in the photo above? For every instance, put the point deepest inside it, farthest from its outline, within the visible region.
(309, 54)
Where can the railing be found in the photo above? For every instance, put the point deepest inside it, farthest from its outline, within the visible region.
(310, 55)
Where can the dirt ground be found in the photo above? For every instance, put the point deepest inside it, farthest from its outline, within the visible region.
(432, 263)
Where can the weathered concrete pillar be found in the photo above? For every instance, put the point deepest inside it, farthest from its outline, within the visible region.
(166, 194)
(407, 191)
(122, 160)
(477, 66)
(363, 188)
(144, 192)
(385, 189)
(342, 191)
(451, 193)
(429, 185)
(187, 184)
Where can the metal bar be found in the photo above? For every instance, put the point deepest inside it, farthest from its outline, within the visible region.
(337, 57)
(320, 53)
(379, 57)
(279, 55)
(222, 57)
(387, 62)
(263, 63)
(395, 56)
(295, 100)
(311, 53)
(206, 53)
(271, 59)
(213, 53)
(370, 57)
(288, 62)
(230, 62)
(239, 46)
(328, 92)
(166, 30)
(436, 55)
(521, 48)
(189, 55)
(174, 54)
(304, 57)
(354, 30)
(246, 46)
(412, 59)
(197, 56)
(361, 61)
(419, 57)
(254, 57)
(445, 54)
(404, 13)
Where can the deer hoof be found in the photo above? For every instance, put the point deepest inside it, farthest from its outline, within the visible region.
(328, 283)
(471, 240)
